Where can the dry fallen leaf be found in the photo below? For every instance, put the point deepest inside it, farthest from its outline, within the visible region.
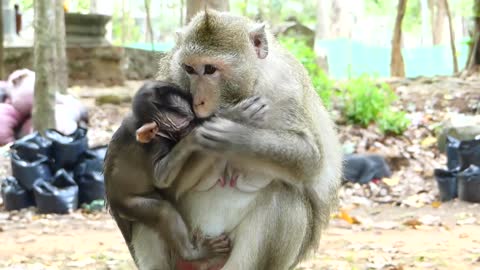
(436, 204)
(391, 181)
(428, 142)
(414, 223)
(345, 216)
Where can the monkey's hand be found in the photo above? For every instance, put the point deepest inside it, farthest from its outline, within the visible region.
(222, 135)
(252, 110)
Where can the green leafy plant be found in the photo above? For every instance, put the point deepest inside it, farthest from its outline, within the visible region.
(393, 122)
(320, 80)
(366, 102)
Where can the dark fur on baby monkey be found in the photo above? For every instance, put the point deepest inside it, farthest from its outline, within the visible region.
(161, 116)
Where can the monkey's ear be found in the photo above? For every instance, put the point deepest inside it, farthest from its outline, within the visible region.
(178, 36)
(258, 38)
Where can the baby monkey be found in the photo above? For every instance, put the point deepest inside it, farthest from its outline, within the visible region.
(161, 116)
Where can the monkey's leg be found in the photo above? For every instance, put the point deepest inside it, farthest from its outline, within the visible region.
(272, 236)
(151, 251)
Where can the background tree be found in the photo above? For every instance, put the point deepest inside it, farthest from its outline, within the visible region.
(149, 31)
(323, 19)
(44, 64)
(397, 66)
(437, 16)
(194, 6)
(61, 72)
(452, 37)
(474, 55)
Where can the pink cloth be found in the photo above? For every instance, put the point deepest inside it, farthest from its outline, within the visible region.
(9, 119)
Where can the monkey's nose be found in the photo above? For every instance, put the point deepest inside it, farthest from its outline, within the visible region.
(200, 104)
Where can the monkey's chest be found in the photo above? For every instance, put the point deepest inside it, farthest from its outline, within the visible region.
(217, 210)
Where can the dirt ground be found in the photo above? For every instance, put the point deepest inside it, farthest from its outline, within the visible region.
(448, 239)
(366, 234)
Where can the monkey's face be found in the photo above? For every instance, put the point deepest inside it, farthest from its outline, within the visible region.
(218, 54)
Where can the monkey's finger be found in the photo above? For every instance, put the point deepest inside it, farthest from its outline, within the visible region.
(249, 102)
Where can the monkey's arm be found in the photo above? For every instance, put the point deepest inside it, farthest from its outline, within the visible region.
(167, 169)
(283, 152)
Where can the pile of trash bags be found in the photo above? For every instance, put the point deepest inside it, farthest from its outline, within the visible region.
(16, 104)
(462, 177)
(56, 172)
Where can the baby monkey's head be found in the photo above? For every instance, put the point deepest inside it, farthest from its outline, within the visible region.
(162, 109)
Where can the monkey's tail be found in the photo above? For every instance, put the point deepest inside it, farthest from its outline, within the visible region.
(316, 222)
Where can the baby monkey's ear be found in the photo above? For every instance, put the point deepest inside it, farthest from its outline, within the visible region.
(146, 133)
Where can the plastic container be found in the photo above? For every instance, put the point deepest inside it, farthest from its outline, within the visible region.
(67, 149)
(447, 184)
(59, 196)
(453, 157)
(28, 171)
(14, 196)
(469, 184)
(29, 146)
(89, 177)
(469, 152)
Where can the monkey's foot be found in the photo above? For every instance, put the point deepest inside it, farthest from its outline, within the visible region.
(219, 245)
(233, 180)
(222, 181)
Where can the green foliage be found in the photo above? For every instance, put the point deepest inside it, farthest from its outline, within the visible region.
(132, 32)
(367, 102)
(321, 82)
(393, 122)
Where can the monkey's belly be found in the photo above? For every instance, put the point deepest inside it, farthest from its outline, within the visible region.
(217, 210)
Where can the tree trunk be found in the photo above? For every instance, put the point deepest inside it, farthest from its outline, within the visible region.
(93, 7)
(474, 52)
(397, 66)
(44, 65)
(340, 19)
(194, 6)
(2, 70)
(323, 19)
(149, 24)
(61, 72)
(452, 37)
(124, 23)
(437, 11)
(182, 11)
(426, 27)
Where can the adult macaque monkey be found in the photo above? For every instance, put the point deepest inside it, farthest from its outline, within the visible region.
(287, 167)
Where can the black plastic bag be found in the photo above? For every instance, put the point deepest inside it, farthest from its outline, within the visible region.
(28, 171)
(453, 157)
(67, 149)
(469, 184)
(59, 196)
(364, 168)
(89, 177)
(31, 145)
(15, 197)
(98, 151)
(469, 152)
(447, 184)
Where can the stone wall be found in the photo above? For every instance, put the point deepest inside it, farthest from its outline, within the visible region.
(106, 65)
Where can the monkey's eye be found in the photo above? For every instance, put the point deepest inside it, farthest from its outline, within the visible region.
(209, 69)
(189, 69)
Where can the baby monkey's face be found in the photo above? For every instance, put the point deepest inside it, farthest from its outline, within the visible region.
(165, 111)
